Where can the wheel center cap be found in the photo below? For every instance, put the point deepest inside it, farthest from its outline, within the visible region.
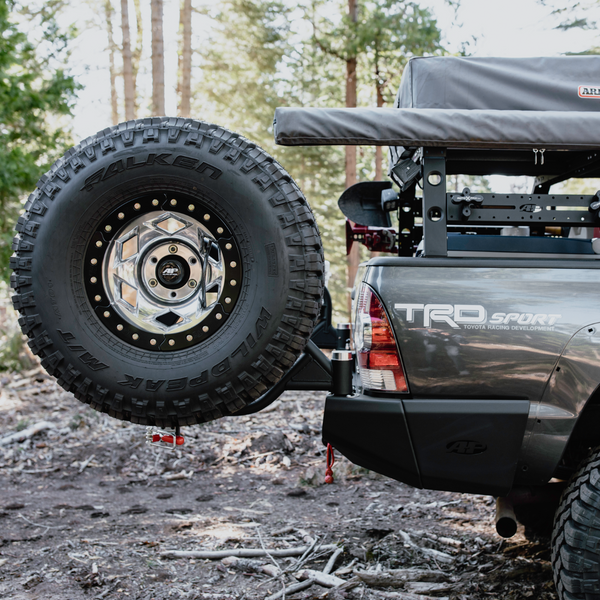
(172, 272)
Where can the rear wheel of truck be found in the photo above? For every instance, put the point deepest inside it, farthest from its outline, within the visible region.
(167, 271)
(576, 535)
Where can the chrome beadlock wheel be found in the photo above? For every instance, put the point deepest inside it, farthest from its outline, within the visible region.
(163, 272)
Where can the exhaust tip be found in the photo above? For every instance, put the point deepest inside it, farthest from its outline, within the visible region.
(506, 521)
(506, 527)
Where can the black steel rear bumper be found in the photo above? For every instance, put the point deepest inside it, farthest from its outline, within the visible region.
(454, 445)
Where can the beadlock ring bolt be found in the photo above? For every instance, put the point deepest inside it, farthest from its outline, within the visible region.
(173, 249)
(152, 283)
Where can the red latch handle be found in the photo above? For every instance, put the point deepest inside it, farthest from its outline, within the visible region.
(168, 439)
(330, 463)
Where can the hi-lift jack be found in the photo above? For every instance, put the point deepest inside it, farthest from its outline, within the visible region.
(167, 438)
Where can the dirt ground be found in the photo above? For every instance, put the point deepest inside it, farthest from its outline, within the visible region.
(88, 510)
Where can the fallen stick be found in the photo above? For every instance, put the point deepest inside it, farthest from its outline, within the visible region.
(176, 476)
(40, 471)
(283, 531)
(320, 578)
(347, 569)
(304, 556)
(279, 573)
(25, 434)
(298, 587)
(407, 596)
(347, 585)
(435, 554)
(331, 562)
(239, 552)
(250, 566)
(46, 527)
(85, 463)
(247, 565)
(425, 587)
(399, 577)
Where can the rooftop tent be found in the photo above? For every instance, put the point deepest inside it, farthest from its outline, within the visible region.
(467, 103)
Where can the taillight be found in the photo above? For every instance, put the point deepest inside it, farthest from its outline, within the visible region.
(379, 363)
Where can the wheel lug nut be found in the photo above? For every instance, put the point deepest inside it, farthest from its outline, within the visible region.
(173, 249)
(192, 283)
(153, 283)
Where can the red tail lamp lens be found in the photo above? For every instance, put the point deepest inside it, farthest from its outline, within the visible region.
(379, 362)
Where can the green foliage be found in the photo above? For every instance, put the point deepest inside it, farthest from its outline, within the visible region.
(35, 91)
(240, 75)
(386, 34)
(269, 53)
(572, 14)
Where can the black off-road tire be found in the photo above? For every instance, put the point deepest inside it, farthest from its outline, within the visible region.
(262, 231)
(576, 535)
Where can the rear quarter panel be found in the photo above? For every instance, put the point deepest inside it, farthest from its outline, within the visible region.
(524, 319)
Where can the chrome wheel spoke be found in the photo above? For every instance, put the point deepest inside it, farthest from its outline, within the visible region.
(140, 291)
(159, 279)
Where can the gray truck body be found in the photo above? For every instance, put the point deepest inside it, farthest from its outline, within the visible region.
(493, 333)
(499, 337)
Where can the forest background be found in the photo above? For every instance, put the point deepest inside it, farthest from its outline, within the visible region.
(236, 61)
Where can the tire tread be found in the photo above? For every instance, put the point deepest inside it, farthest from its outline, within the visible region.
(306, 264)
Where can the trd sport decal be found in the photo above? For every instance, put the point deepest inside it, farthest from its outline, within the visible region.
(474, 316)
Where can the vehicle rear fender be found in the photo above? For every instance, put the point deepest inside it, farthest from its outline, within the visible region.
(565, 400)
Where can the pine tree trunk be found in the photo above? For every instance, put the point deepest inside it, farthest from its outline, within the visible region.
(137, 52)
(127, 64)
(185, 58)
(114, 101)
(158, 61)
(353, 257)
(379, 149)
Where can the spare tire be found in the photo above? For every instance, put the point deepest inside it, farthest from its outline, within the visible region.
(167, 271)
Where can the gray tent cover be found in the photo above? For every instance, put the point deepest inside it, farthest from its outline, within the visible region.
(549, 103)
